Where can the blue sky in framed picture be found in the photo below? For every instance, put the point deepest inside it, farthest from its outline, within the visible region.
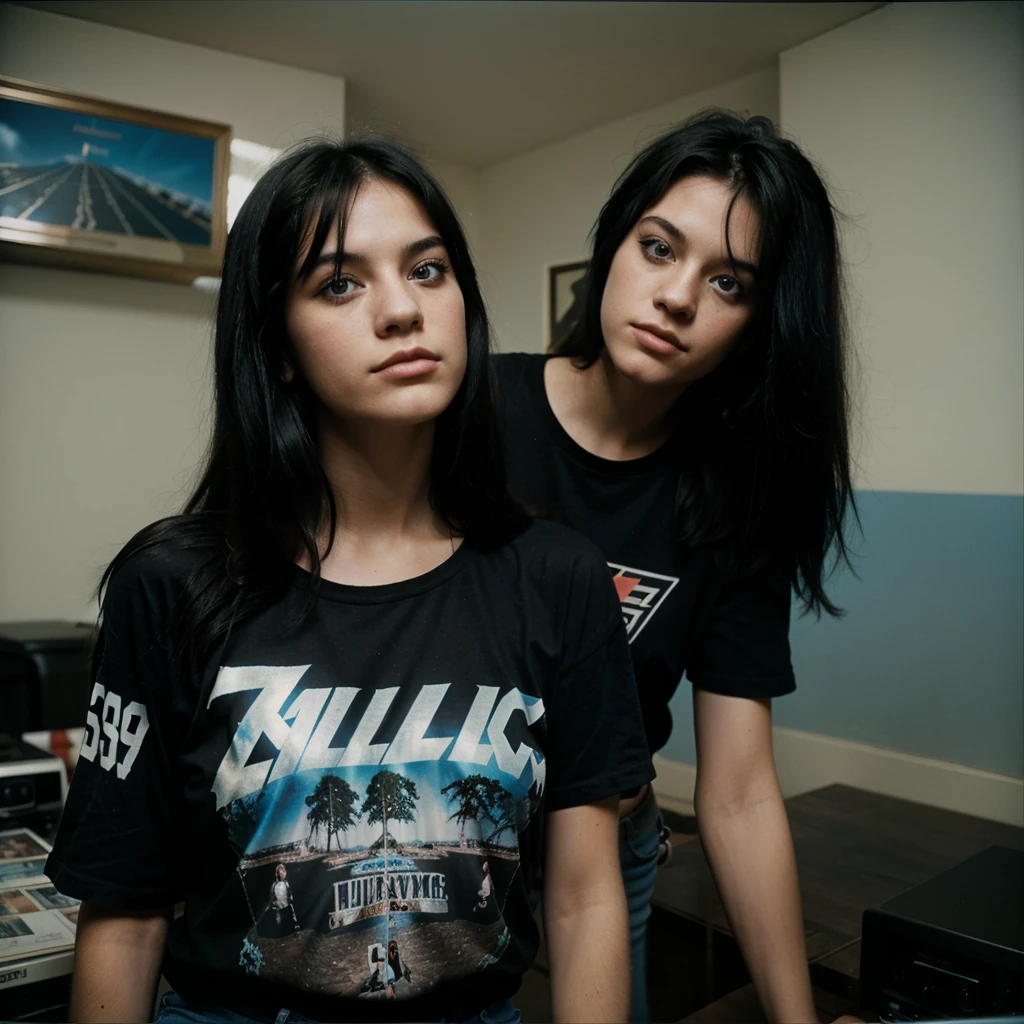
(69, 169)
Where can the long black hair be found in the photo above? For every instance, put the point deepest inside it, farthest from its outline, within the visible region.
(263, 496)
(767, 475)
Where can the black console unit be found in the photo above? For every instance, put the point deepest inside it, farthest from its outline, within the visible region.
(952, 947)
(44, 675)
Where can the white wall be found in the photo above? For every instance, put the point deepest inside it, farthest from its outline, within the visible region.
(462, 184)
(537, 209)
(103, 379)
(917, 112)
(263, 102)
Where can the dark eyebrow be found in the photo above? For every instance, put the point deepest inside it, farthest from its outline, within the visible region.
(674, 233)
(666, 225)
(412, 249)
(430, 242)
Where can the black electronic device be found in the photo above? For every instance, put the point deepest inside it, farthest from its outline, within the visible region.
(44, 675)
(952, 947)
(32, 782)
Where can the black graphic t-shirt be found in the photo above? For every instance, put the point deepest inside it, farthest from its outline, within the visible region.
(353, 808)
(682, 614)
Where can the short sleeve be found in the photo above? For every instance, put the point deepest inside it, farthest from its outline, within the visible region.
(744, 649)
(596, 742)
(115, 843)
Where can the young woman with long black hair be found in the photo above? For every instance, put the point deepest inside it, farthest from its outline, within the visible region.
(351, 679)
(694, 426)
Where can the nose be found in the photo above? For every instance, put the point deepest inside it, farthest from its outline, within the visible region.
(678, 292)
(398, 309)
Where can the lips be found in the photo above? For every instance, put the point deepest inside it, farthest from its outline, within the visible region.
(661, 332)
(408, 355)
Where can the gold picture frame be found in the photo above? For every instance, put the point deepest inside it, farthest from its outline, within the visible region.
(94, 185)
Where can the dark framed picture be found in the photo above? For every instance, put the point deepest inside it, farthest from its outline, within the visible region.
(565, 300)
(100, 186)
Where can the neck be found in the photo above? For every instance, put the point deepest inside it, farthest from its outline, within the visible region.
(386, 531)
(621, 418)
(380, 477)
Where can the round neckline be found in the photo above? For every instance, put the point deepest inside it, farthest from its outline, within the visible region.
(610, 467)
(382, 593)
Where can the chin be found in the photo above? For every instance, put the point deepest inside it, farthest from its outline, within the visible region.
(416, 405)
(641, 367)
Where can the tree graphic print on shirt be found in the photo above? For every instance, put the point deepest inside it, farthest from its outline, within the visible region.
(392, 794)
(330, 807)
(478, 797)
(368, 876)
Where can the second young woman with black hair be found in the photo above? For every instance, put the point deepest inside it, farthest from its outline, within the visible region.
(695, 427)
(351, 675)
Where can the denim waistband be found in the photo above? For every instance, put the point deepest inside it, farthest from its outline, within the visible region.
(642, 817)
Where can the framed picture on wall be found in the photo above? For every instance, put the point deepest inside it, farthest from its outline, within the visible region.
(101, 186)
(565, 299)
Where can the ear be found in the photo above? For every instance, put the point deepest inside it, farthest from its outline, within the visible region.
(287, 372)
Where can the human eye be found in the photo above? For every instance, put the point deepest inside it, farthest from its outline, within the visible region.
(656, 249)
(728, 286)
(430, 271)
(337, 289)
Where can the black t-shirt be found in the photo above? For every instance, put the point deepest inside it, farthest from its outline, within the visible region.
(352, 806)
(729, 634)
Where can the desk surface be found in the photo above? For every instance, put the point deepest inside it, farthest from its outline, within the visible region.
(854, 850)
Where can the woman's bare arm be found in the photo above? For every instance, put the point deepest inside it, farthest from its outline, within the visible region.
(585, 917)
(746, 837)
(117, 963)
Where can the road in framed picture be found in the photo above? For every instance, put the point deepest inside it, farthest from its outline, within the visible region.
(101, 186)
(565, 300)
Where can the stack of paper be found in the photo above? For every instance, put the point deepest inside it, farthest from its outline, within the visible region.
(37, 923)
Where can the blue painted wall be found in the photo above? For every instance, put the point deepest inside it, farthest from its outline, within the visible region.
(929, 658)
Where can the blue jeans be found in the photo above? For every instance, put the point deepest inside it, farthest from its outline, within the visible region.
(639, 834)
(174, 1010)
